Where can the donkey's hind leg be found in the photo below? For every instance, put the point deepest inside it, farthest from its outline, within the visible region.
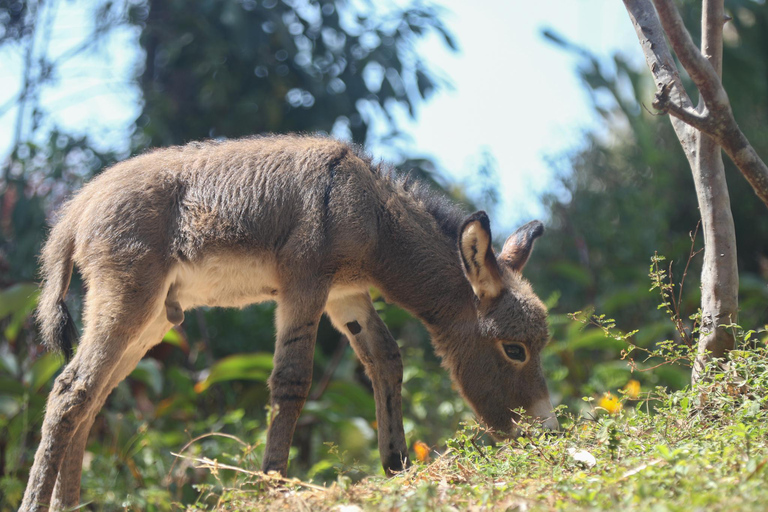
(355, 316)
(66, 493)
(114, 322)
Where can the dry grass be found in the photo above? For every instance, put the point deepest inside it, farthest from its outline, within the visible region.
(701, 449)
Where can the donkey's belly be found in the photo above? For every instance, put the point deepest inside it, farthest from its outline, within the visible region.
(226, 281)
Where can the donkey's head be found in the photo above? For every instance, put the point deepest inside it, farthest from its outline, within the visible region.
(500, 368)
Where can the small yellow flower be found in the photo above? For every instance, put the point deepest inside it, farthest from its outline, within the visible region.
(632, 389)
(610, 403)
(422, 451)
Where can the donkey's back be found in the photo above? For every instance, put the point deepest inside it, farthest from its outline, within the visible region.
(256, 194)
(214, 220)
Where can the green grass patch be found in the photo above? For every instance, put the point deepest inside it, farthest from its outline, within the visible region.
(702, 448)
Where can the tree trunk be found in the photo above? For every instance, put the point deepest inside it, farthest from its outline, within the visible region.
(720, 274)
(719, 277)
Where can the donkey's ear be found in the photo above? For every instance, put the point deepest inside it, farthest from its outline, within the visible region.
(519, 245)
(477, 256)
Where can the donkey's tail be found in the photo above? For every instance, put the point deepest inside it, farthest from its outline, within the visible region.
(57, 328)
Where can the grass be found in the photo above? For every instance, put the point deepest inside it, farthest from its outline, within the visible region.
(703, 448)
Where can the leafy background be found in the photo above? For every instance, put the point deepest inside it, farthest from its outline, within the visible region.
(621, 197)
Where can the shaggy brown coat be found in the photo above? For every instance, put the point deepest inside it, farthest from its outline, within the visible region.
(310, 223)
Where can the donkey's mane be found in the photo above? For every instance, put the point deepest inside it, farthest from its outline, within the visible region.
(446, 213)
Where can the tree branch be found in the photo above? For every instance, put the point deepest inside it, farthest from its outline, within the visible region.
(712, 21)
(714, 115)
(26, 77)
(744, 156)
(699, 68)
(662, 66)
(690, 116)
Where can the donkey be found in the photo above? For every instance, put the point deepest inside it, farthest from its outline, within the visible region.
(308, 222)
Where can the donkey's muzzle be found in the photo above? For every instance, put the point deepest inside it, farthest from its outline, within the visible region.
(542, 411)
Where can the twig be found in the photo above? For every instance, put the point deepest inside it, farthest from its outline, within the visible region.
(10, 103)
(479, 450)
(756, 470)
(198, 438)
(638, 469)
(692, 254)
(213, 465)
(531, 440)
(27, 76)
(665, 362)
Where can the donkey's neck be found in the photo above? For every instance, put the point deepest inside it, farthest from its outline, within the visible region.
(418, 267)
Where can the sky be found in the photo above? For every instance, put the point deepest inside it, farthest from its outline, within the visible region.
(514, 96)
(523, 102)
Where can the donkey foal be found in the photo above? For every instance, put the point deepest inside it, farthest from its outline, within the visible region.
(307, 222)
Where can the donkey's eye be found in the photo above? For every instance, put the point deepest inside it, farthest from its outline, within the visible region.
(515, 352)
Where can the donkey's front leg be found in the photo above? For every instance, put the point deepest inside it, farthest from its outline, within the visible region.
(355, 316)
(298, 314)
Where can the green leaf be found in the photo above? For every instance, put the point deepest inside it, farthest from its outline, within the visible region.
(349, 398)
(664, 451)
(177, 339)
(17, 297)
(149, 372)
(44, 369)
(12, 489)
(9, 406)
(576, 273)
(9, 362)
(319, 468)
(11, 386)
(238, 367)
(595, 339)
(18, 301)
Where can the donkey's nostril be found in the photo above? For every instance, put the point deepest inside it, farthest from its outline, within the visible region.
(542, 410)
(551, 423)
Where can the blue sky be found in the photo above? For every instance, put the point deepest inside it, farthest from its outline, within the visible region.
(514, 95)
(522, 102)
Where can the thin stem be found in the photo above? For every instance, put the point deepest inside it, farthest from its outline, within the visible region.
(27, 76)
(691, 255)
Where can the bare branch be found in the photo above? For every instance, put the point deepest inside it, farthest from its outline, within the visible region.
(744, 156)
(663, 103)
(714, 117)
(657, 54)
(699, 68)
(659, 60)
(27, 76)
(712, 20)
(10, 103)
